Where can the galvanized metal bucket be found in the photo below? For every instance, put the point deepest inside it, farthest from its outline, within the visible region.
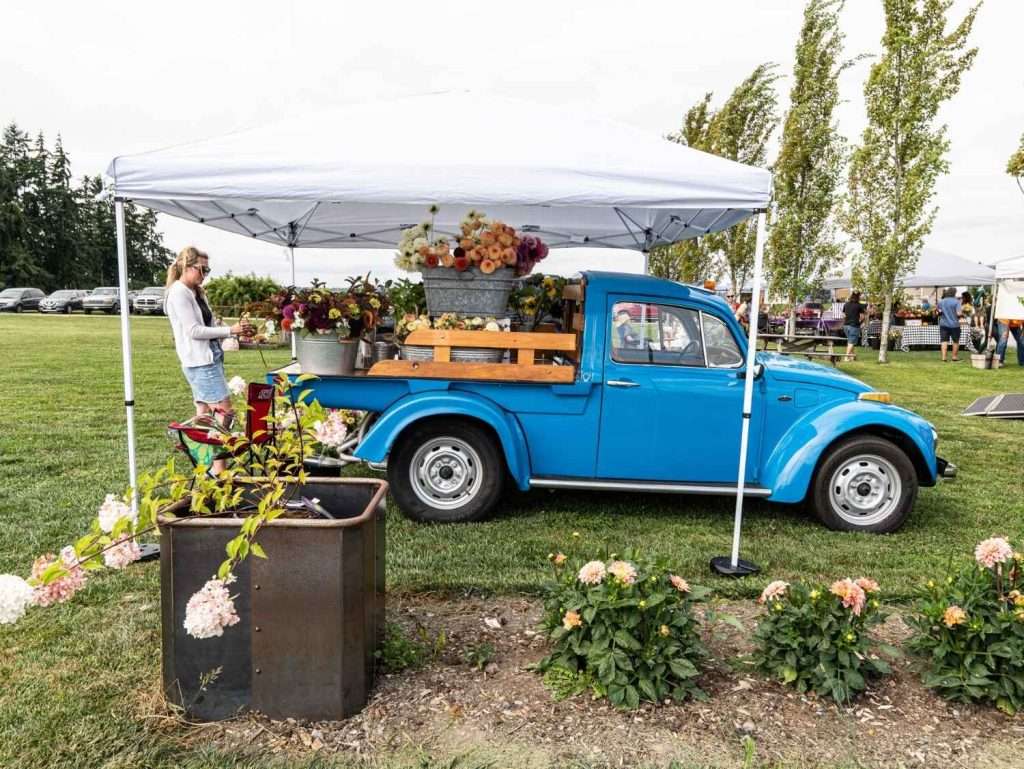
(326, 355)
(458, 355)
(471, 292)
(383, 350)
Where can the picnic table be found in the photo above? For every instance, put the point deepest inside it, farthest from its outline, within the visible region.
(808, 346)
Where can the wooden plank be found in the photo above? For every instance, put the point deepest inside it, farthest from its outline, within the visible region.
(500, 339)
(524, 357)
(573, 292)
(492, 372)
(577, 322)
(442, 354)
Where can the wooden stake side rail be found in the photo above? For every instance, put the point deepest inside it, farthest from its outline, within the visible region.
(525, 368)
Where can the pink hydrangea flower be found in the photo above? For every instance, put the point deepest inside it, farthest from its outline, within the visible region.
(851, 593)
(867, 585)
(62, 588)
(623, 571)
(679, 583)
(124, 552)
(774, 591)
(992, 551)
(592, 573)
(113, 510)
(210, 610)
(332, 431)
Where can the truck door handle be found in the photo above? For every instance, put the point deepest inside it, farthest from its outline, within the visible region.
(621, 383)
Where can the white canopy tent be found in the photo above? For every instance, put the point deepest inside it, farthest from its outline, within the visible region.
(1009, 299)
(934, 268)
(356, 175)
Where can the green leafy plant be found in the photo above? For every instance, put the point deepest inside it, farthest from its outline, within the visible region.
(969, 630)
(625, 624)
(480, 655)
(816, 638)
(231, 294)
(399, 652)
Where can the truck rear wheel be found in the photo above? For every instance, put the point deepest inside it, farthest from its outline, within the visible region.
(446, 472)
(864, 484)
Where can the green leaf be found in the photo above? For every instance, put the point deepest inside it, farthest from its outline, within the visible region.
(648, 689)
(625, 639)
(683, 668)
(789, 675)
(257, 550)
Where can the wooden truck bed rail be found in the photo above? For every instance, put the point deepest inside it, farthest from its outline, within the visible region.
(524, 345)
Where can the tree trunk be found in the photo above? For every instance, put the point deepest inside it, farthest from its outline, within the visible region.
(883, 342)
(791, 322)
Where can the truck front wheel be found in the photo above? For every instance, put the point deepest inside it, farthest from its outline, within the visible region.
(865, 484)
(446, 472)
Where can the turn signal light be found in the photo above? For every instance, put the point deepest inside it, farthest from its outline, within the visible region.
(878, 397)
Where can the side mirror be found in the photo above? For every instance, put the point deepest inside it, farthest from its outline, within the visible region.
(758, 371)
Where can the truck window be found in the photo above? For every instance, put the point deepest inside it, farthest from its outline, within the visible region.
(719, 344)
(656, 334)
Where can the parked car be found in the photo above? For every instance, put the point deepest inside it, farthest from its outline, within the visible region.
(66, 300)
(20, 299)
(653, 405)
(809, 310)
(103, 299)
(149, 300)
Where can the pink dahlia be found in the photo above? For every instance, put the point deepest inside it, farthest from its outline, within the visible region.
(125, 551)
(592, 573)
(623, 571)
(210, 610)
(679, 583)
(851, 593)
(774, 591)
(62, 588)
(867, 585)
(992, 551)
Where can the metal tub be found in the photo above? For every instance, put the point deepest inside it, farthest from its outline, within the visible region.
(471, 292)
(311, 614)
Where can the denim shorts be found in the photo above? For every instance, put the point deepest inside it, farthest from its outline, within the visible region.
(208, 382)
(852, 334)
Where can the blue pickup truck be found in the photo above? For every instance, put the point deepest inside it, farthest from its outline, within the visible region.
(654, 406)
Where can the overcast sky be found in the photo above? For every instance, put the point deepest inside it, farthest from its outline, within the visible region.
(116, 78)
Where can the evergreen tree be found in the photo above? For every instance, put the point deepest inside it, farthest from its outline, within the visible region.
(802, 244)
(902, 152)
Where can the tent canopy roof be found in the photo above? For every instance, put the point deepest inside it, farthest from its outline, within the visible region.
(1011, 268)
(934, 268)
(355, 175)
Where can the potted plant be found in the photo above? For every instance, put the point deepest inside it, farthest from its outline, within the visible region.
(449, 321)
(538, 299)
(330, 324)
(475, 275)
(292, 635)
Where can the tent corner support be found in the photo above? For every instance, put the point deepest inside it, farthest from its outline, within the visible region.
(126, 347)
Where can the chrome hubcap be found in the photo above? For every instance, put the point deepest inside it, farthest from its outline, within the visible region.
(445, 473)
(865, 490)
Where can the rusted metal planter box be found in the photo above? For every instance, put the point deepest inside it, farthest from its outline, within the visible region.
(311, 614)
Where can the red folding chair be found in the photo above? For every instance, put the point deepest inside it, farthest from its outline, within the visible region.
(204, 440)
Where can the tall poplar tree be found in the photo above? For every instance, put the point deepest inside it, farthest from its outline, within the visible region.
(1015, 165)
(807, 174)
(903, 152)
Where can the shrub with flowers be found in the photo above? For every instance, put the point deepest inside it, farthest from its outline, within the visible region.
(816, 638)
(969, 629)
(486, 244)
(626, 625)
(319, 310)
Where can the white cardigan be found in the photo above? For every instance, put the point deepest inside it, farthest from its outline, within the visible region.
(191, 336)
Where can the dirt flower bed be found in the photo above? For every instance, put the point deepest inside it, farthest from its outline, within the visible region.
(504, 714)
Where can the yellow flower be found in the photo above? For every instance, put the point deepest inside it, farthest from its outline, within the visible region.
(930, 584)
(875, 603)
(642, 604)
(571, 620)
(663, 630)
(576, 534)
(374, 302)
(353, 310)
(551, 556)
(815, 595)
(334, 313)
(851, 636)
(776, 605)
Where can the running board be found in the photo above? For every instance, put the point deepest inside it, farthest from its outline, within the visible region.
(649, 486)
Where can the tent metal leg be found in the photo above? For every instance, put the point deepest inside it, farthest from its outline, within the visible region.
(734, 566)
(291, 255)
(126, 348)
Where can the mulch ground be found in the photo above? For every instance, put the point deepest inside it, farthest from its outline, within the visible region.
(504, 716)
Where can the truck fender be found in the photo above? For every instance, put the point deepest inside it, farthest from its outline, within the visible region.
(377, 443)
(790, 467)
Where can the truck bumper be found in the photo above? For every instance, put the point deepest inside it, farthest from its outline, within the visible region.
(946, 469)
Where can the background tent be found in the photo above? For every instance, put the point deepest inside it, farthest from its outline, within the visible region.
(934, 268)
(356, 175)
(1010, 289)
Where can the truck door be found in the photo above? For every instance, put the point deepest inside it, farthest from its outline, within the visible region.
(671, 402)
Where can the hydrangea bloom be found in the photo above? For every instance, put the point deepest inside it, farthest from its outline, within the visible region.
(851, 593)
(774, 591)
(237, 385)
(592, 573)
(623, 571)
(125, 551)
(679, 583)
(992, 551)
(331, 432)
(210, 610)
(62, 588)
(113, 510)
(571, 620)
(15, 598)
(954, 616)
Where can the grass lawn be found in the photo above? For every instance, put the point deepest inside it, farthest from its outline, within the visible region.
(74, 678)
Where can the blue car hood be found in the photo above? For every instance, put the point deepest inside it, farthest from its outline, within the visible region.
(789, 368)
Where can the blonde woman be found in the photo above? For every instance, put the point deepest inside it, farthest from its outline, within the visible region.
(196, 339)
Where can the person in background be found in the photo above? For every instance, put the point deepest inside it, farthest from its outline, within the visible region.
(950, 312)
(1006, 327)
(624, 333)
(742, 310)
(853, 319)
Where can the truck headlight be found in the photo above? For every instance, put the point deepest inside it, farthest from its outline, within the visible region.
(878, 397)
(935, 439)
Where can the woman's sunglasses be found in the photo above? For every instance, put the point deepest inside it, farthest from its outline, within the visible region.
(203, 269)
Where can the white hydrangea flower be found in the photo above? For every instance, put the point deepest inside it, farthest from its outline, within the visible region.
(237, 385)
(15, 597)
(113, 510)
(210, 610)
